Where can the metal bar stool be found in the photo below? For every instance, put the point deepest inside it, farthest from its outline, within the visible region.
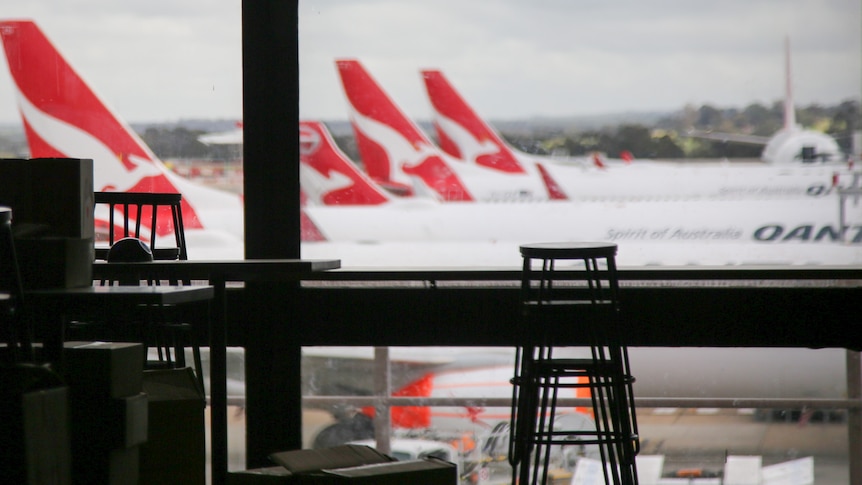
(570, 292)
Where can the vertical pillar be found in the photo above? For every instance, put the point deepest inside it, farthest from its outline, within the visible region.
(271, 128)
(271, 188)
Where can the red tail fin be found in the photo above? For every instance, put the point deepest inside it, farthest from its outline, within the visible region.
(392, 147)
(308, 230)
(328, 177)
(63, 117)
(627, 156)
(555, 192)
(411, 416)
(462, 132)
(597, 161)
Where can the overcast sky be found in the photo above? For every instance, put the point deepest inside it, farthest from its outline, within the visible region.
(165, 60)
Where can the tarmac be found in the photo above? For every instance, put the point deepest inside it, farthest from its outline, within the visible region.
(700, 439)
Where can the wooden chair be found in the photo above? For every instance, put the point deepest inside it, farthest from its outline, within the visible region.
(135, 221)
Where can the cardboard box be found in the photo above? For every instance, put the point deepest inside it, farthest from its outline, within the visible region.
(347, 465)
(109, 424)
(123, 467)
(53, 194)
(175, 451)
(108, 410)
(52, 219)
(97, 370)
(55, 262)
(34, 430)
(108, 467)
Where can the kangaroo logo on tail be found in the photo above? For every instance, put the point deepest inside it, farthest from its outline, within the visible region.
(327, 176)
(393, 148)
(63, 117)
(463, 134)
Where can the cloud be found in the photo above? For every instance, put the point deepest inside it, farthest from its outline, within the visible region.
(172, 59)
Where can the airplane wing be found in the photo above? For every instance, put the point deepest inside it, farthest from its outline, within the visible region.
(232, 137)
(731, 137)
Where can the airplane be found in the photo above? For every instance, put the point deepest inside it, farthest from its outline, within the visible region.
(55, 128)
(792, 144)
(426, 232)
(230, 137)
(328, 176)
(782, 173)
(396, 152)
(417, 233)
(494, 171)
(72, 121)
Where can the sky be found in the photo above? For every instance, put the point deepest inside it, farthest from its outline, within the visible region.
(168, 60)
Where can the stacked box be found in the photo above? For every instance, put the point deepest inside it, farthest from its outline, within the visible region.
(108, 410)
(105, 369)
(52, 196)
(52, 206)
(34, 426)
(175, 451)
(55, 262)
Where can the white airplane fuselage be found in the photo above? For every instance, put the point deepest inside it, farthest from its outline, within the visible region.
(790, 231)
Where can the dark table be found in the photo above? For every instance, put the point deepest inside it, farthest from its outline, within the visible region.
(218, 273)
(51, 307)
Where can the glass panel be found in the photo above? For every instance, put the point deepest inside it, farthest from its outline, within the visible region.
(134, 88)
(700, 406)
(583, 88)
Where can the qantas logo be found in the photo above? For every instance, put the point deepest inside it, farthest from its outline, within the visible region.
(419, 159)
(462, 133)
(326, 175)
(320, 186)
(397, 149)
(470, 148)
(309, 141)
(808, 233)
(71, 141)
(318, 179)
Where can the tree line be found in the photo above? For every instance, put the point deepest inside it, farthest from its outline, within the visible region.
(668, 137)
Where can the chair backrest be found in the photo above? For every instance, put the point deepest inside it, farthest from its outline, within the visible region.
(143, 215)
